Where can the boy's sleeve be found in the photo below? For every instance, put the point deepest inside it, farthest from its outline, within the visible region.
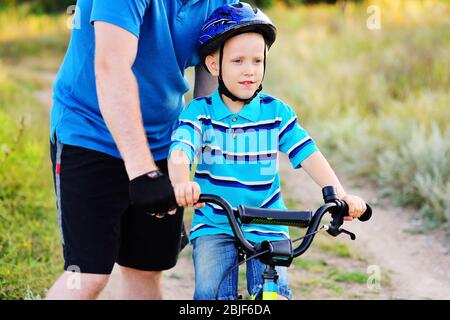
(127, 14)
(293, 139)
(188, 135)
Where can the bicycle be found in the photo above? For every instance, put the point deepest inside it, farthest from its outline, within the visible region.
(281, 253)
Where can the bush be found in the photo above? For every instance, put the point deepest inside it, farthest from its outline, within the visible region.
(418, 174)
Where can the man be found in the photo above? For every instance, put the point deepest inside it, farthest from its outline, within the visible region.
(117, 98)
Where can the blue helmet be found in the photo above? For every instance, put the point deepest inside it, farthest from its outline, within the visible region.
(230, 20)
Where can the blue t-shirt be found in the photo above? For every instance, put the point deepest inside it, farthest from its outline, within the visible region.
(167, 31)
(237, 158)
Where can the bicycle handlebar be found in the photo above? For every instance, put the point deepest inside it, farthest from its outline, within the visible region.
(336, 207)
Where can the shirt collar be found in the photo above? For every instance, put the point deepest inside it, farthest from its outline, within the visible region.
(250, 111)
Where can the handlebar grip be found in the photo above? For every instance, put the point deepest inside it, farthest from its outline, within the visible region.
(330, 195)
(299, 219)
(365, 216)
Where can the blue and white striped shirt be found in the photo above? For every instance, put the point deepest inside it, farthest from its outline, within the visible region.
(237, 158)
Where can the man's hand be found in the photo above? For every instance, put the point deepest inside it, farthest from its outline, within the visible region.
(187, 194)
(356, 206)
(153, 193)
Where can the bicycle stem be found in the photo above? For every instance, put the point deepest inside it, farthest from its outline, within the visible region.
(311, 232)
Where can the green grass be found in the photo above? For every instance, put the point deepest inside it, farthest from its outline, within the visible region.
(321, 279)
(340, 275)
(30, 245)
(313, 265)
(332, 246)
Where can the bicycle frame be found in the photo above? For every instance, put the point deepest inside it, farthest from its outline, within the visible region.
(281, 253)
(270, 285)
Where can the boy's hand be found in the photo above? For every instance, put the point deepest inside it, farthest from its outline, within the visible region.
(356, 206)
(187, 194)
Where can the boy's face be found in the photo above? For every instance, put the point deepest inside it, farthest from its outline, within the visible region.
(242, 64)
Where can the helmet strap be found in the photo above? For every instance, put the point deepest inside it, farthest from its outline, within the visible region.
(224, 90)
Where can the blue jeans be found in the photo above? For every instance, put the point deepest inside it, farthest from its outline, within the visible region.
(214, 256)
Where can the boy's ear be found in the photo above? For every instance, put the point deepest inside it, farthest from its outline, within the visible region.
(212, 64)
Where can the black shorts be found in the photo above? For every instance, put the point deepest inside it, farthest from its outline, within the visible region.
(98, 226)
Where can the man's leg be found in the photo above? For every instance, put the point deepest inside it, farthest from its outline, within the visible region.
(77, 286)
(92, 195)
(137, 284)
(148, 245)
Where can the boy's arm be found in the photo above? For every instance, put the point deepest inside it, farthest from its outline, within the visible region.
(178, 166)
(321, 172)
(186, 191)
(303, 152)
(186, 143)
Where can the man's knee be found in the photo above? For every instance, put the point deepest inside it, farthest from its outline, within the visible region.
(138, 284)
(147, 276)
(89, 281)
(76, 285)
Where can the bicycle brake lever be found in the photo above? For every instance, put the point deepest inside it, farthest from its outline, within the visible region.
(335, 231)
(350, 234)
(332, 230)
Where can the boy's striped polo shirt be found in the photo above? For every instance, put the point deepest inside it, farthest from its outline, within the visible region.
(237, 158)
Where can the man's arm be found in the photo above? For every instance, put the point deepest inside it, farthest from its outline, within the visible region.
(205, 83)
(118, 96)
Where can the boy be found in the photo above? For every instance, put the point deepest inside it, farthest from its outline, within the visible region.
(236, 134)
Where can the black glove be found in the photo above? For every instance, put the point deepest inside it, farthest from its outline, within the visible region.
(152, 193)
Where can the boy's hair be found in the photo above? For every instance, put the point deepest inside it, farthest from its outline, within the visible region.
(226, 22)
